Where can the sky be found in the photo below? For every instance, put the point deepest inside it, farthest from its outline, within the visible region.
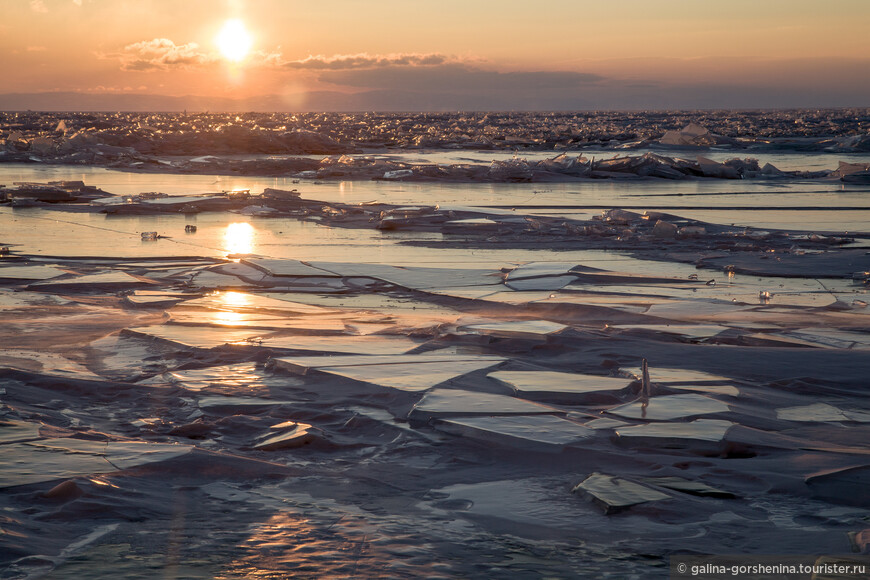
(444, 54)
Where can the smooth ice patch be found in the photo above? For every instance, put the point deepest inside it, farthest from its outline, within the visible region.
(822, 413)
(417, 376)
(699, 429)
(458, 403)
(544, 384)
(669, 407)
(533, 432)
(35, 272)
(615, 494)
(529, 329)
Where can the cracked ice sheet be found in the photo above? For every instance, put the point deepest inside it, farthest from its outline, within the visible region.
(224, 318)
(50, 459)
(458, 403)
(30, 272)
(210, 337)
(13, 300)
(15, 431)
(536, 269)
(692, 331)
(243, 301)
(417, 376)
(551, 384)
(822, 413)
(413, 277)
(292, 268)
(687, 380)
(301, 365)
(534, 432)
(240, 379)
(831, 337)
(104, 279)
(528, 329)
(615, 494)
(669, 407)
(699, 430)
(45, 363)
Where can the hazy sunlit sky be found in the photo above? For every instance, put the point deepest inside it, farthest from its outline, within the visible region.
(448, 53)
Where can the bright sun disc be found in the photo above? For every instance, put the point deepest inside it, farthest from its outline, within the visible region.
(234, 41)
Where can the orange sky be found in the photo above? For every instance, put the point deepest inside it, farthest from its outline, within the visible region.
(588, 50)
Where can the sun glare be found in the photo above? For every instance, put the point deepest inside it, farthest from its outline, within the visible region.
(239, 238)
(234, 41)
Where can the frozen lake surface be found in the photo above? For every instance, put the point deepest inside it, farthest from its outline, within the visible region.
(314, 394)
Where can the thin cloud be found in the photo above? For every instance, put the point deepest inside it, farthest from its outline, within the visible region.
(160, 54)
(457, 77)
(36, 49)
(359, 61)
(38, 6)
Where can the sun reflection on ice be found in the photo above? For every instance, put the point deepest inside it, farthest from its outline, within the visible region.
(235, 299)
(239, 238)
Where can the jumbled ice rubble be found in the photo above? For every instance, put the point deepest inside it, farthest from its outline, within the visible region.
(676, 143)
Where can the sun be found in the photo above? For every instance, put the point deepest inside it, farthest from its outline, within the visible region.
(234, 41)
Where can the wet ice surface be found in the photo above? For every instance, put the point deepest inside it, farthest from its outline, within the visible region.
(317, 397)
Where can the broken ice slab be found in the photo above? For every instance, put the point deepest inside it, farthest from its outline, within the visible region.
(413, 277)
(679, 435)
(835, 264)
(45, 363)
(690, 331)
(467, 292)
(538, 269)
(243, 302)
(371, 345)
(688, 486)
(831, 337)
(605, 423)
(50, 459)
(842, 486)
(525, 329)
(688, 380)
(106, 280)
(35, 272)
(458, 403)
(560, 387)
(210, 337)
(301, 365)
(294, 268)
(237, 405)
(822, 413)
(546, 283)
(155, 298)
(615, 494)
(205, 279)
(669, 407)
(195, 336)
(223, 318)
(514, 297)
(12, 431)
(416, 376)
(240, 377)
(676, 376)
(534, 433)
(287, 435)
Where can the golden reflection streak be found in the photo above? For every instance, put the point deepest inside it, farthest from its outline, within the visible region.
(225, 318)
(235, 299)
